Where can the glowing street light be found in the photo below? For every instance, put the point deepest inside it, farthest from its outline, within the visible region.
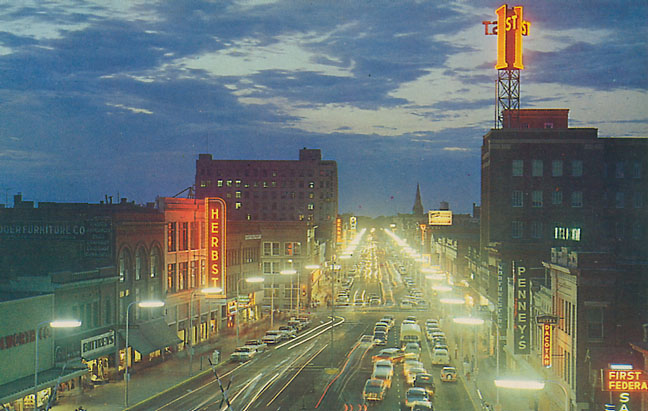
(531, 385)
(468, 321)
(452, 301)
(442, 288)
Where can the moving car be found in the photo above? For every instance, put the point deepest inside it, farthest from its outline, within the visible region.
(412, 350)
(417, 395)
(409, 364)
(449, 374)
(258, 345)
(425, 381)
(374, 390)
(384, 375)
(395, 355)
(440, 357)
(380, 338)
(384, 365)
(413, 372)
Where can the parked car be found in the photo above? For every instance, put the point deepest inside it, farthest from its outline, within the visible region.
(289, 331)
(243, 354)
(374, 390)
(380, 338)
(258, 345)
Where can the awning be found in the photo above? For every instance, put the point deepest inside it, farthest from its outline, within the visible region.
(46, 379)
(150, 336)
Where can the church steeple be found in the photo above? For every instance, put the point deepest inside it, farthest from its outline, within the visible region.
(418, 205)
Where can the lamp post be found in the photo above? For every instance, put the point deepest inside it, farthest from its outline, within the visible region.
(247, 280)
(53, 324)
(142, 304)
(209, 290)
(533, 385)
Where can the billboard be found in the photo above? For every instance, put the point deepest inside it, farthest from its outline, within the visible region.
(439, 217)
(521, 310)
(509, 28)
(216, 221)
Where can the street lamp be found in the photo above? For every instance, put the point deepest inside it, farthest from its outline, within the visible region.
(247, 280)
(142, 304)
(206, 291)
(53, 324)
(533, 385)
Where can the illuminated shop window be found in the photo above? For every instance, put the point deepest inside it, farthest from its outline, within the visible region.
(238, 205)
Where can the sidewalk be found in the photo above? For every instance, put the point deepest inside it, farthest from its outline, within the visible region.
(147, 382)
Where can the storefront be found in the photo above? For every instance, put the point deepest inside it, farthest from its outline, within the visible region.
(147, 341)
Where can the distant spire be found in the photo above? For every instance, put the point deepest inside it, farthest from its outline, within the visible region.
(418, 205)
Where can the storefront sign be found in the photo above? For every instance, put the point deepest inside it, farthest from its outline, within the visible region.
(439, 217)
(509, 28)
(216, 242)
(23, 337)
(625, 380)
(546, 344)
(338, 230)
(97, 343)
(521, 310)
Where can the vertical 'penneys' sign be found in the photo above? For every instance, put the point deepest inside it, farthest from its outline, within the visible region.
(509, 28)
(521, 310)
(216, 242)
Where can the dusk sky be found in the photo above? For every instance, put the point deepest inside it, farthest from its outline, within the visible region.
(119, 97)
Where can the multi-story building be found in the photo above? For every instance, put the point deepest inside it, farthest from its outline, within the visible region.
(274, 190)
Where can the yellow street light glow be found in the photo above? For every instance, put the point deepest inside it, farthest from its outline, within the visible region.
(151, 304)
(621, 367)
(468, 320)
(520, 384)
(435, 277)
(211, 290)
(312, 267)
(65, 323)
(344, 257)
(455, 301)
(254, 280)
(443, 288)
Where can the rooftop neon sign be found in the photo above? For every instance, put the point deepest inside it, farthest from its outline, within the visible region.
(509, 28)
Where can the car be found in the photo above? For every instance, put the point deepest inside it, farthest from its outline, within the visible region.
(381, 328)
(258, 345)
(296, 324)
(412, 350)
(425, 381)
(411, 318)
(388, 319)
(384, 375)
(449, 374)
(395, 355)
(243, 354)
(406, 305)
(431, 321)
(385, 365)
(289, 331)
(385, 323)
(409, 364)
(374, 390)
(413, 372)
(271, 339)
(416, 395)
(409, 322)
(440, 357)
(421, 407)
(281, 335)
(380, 338)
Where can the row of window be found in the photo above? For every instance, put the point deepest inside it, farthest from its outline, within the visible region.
(275, 267)
(185, 275)
(576, 199)
(269, 173)
(141, 256)
(180, 234)
(267, 184)
(557, 168)
(537, 198)
(536, 230)
(621, 168)
(273, 249)
(273, 206)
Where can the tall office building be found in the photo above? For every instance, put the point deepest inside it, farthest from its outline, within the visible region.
(274, 190)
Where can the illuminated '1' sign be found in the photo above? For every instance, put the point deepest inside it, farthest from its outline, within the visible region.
(509, 28)
(216, 242)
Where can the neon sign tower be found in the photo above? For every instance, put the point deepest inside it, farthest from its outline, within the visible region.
(509, 28)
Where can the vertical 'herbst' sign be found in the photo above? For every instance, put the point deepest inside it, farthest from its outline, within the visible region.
(216, 242)
(509, 27)
(521, 317)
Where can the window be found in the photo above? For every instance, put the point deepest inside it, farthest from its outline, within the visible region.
(637, 231)
(171, 270)
(536, 229)
(638, 199)
(238, 205)
(237, 183)
(155, 262)
(518, 168)
(536, 199)
(219, 183)
(619, 199)
(271, 267)
(124, 265)
(237, 194)
(184, 236)
(311, 206)
(516, 229)
(557, 168)
(594, 318)
(577, 199)
(171, 236)
(193, 274)
(517, 198)
(536, 168)
(548, 125)
(619, 170)
(556, 197)
(203, 272)
(270, 249)
(577, 168)
(292, 248)
(183, 274)
(139, 263)
(228, 183)
(194, 235)
(636, 170)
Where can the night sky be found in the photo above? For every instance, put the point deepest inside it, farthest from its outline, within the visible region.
(119, 97)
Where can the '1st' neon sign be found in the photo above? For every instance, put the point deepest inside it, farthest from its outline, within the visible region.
(509, 29)
(216, 241)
